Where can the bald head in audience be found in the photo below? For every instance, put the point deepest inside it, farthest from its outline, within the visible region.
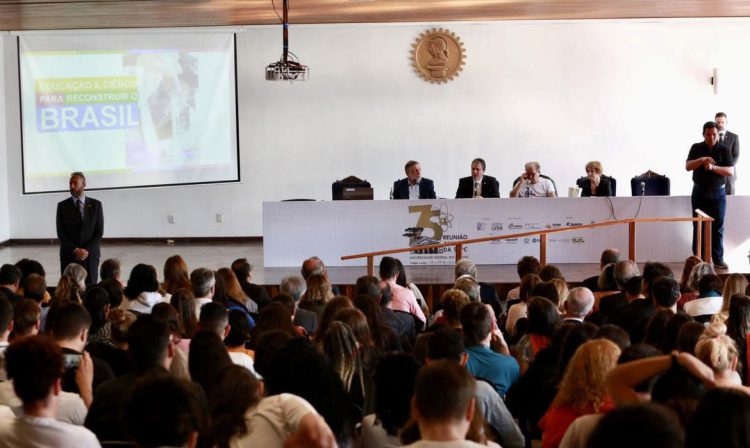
(579, 304)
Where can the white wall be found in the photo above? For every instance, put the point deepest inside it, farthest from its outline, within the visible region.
(4, 213)
(632, 94)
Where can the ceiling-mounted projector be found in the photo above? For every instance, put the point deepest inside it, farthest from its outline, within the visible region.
(286, 69)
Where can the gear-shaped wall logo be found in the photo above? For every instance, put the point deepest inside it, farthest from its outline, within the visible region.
(438, 55)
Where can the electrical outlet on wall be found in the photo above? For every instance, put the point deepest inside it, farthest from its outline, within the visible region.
(219, 218)
(170, 219)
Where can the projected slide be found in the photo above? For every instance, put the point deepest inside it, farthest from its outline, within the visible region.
(129, 110)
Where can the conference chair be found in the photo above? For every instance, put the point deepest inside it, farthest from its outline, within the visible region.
(650, 184)
(554, 185)
(351, 184)
(612, 181)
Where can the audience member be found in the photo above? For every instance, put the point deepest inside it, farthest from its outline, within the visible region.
(36, 366)
(608, 256)
(229, 292)
(526, 265)
(35, 288)
(691, 290)
(295, 286)
(142, 290)
(317, 294)
(487, 291)
(734, 284)
(738, 328)
(709, 299)
(244, 272)
(183, 301)
(543, 322)
(26, 319)
(111, 269)
(722, 418)
(175, 275)
(656, 424)
(518, 310)
(203, 283)
(402, 299)
(579, 304)
(10, 281)
(499, 369)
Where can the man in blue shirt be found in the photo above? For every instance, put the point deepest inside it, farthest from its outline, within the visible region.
(498, 369)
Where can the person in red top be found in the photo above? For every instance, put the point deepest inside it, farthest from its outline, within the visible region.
(583, 389)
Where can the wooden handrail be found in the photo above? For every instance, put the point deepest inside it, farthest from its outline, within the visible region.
(700, 219)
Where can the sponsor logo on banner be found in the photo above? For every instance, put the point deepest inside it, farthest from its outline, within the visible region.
(573, 224)
(497, 226)
(532, 226)
(512, 226)
(431, 227)
(512, 241)
(554, 225)
(481, 226)
(577, 240)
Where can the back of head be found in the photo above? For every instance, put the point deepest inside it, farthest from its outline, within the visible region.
(10, 274)
(357, 321)
(580, 302)
(34, 287)
(142, 279)
(453, 301)
(476, 322)
(665, 291)
(367, 285)
(656, 426)
(672, 330)
(528, 265)
(293, 285)
(329, 312)
(634, 286)
(175, 274)
(167, 314)
(318, 290)
(680, 391)
(120, 321)
(609, 256)
(69, 320)
(470, 286)
(26, 315)
(716, 349)
(214, 317)
(690, 263)
(688, 336)
(614, 333)
(653, 270)
(584, 385)
(28, 267)
(110, 269)
(388, 268)
(544, 319)
(242, 269)
(722, 418)
(202, 280)
(312, 265)
(636, 352)
(699, 270)
(738, 322)
(287, 300)
(239, 329)
(656, 327)
(148, 340)
(227, 286)
(95, 301)
(735, 284)
(114, 291)
(395, 377)
(274, 316)
(606, 280)
(207, 357)
(465, 266)
(624, 271)
(236, 391)
(528, 282)
(162, 411)
(76, 272)
(443, 392)
(549, 272)
(183, 301)
(709, 283)
(446, 344)
(547, 290)
(340, 346)
(34, 364)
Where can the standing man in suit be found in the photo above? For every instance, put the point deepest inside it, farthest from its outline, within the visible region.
(414, 186)
(478, 185)
(80, 225)
(731, 140)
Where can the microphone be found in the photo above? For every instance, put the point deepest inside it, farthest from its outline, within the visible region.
(643, 188)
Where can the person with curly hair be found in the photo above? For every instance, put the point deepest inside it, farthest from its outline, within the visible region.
(583, 389)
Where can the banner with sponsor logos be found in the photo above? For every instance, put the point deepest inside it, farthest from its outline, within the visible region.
(293, 231)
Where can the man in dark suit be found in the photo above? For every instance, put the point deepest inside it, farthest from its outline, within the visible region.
(478, 185)
(732, 141)
(80, 225)
(414, 186)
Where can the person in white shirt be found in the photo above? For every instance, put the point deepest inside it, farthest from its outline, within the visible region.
(531, 184)
(35, 364)
(204, 285)
(443, 406)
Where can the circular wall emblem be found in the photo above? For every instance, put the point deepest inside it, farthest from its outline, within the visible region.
(438, 55)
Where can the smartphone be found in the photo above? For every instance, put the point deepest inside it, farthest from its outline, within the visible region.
(71, 361)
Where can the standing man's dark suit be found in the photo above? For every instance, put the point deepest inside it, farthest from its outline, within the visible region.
(490, 187)
(75, 232)
(733, 142)
(426, 189)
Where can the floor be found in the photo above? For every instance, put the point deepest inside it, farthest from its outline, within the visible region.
(215, 256)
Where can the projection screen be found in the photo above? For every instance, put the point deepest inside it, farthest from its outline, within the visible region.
(129, 110)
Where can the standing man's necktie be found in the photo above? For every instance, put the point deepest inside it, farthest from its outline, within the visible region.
(721, 138)
(79, 204)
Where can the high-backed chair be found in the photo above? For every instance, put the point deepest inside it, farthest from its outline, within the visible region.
(612, 182)
(337, 188)
(650, 184)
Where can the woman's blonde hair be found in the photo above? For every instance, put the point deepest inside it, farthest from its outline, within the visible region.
(596, 166)
(734, 284)
(716, 349)
(584, 385)
(318, 290)
(562, 292)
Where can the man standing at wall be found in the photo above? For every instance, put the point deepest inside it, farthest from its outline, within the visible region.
(731, 140)
(711, 163)
(80, 225)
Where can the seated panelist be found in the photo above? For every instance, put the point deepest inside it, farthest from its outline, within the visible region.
(414, 186)
(478, 185)
(595, 184)
(531, 184)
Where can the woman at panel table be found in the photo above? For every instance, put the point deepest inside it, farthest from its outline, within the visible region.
(595, 184)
